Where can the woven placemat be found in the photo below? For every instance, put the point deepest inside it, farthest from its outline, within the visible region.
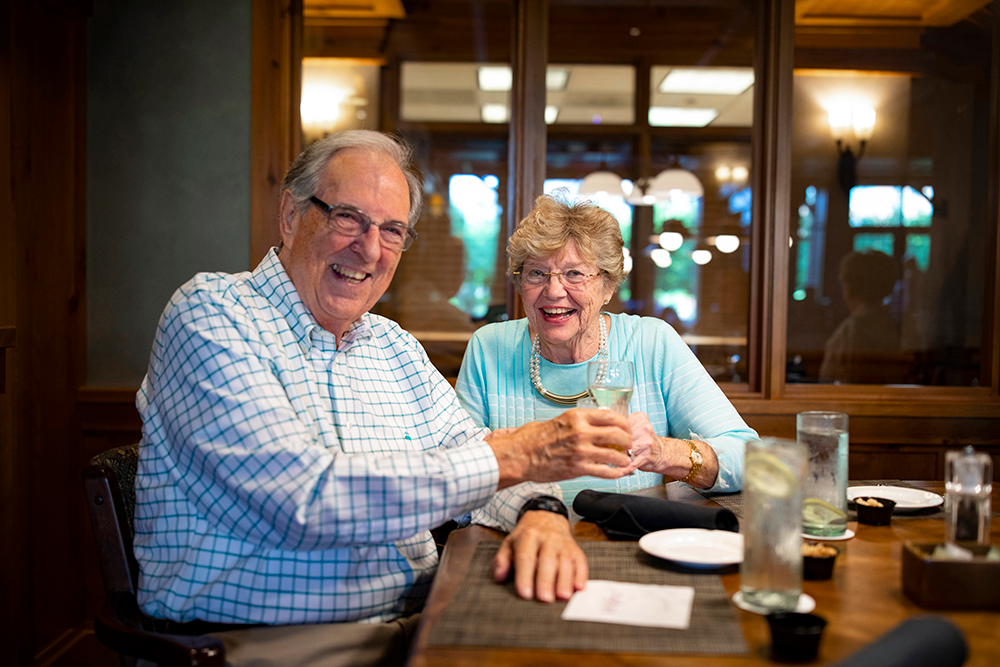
(734, 501)
(484, 613)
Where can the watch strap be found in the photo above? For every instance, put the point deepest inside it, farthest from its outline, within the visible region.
(545, 503)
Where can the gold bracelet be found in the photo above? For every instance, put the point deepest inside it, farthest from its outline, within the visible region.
(696, 460)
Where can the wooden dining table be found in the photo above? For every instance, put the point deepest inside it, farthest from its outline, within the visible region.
(863, 600)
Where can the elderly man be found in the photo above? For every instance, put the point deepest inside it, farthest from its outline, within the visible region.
(297, 449)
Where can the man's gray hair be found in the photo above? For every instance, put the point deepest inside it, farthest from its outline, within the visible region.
(303, 178)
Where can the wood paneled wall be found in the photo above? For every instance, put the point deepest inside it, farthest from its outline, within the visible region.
(43, 62)
(47, 558)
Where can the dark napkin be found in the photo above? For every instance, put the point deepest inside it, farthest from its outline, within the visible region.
(627, 517)
(922, 641)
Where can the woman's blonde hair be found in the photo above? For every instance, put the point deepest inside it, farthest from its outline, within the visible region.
(554, 222)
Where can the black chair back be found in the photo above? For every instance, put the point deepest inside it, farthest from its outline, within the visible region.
(109, 482)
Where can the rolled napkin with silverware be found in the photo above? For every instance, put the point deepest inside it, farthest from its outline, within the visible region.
(922, 641)
(627, 517)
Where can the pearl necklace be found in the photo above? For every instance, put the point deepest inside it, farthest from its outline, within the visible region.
(534, 368)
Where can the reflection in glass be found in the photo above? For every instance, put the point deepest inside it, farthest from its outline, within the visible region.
(887, 264)
(475, 219)
(470, 92)
(338, 94)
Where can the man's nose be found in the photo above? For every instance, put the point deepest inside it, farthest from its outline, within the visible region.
(369, 243)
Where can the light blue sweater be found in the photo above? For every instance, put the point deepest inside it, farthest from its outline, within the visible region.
(671, 387)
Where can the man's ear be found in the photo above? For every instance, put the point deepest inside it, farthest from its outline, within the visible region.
(288, 217)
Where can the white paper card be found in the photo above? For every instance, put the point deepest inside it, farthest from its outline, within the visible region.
(647, 605)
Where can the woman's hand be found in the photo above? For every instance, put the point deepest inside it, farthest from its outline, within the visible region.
(670, 457)
(647, 447)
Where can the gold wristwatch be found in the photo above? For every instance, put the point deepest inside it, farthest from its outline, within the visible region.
(696, 461)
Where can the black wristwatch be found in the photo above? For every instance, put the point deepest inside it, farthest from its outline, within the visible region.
(545, 503)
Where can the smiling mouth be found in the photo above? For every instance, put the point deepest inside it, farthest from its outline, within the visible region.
(349, 275)
(556, 313)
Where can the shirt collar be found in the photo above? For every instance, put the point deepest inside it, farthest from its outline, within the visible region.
(272, 282)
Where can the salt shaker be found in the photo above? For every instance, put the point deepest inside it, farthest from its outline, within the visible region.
(968, 485)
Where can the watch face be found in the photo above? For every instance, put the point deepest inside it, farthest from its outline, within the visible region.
(696, 457)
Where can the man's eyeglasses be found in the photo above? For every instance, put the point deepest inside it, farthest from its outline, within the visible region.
(536, 277)
(350, 221)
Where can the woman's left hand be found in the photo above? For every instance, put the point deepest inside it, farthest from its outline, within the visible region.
(647, 447)
(670, 457)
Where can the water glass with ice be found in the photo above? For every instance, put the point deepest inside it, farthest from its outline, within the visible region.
(771, 572)
(824, 493)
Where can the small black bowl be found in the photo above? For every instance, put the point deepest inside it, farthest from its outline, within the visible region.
(795, 636)
(875, 516)
(819, 568)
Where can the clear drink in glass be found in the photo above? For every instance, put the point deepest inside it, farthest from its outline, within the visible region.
(591, 403)
(771, 572)
(824, 492)
(611, 383)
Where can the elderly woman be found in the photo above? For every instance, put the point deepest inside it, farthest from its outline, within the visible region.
(566, 261)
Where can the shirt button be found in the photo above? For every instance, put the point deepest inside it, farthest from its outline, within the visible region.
(350, 425)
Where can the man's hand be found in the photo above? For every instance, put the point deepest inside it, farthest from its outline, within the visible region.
(548, 563)
(574, 444)
(499, 431)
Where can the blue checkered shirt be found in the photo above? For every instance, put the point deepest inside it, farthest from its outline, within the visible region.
(283, 480)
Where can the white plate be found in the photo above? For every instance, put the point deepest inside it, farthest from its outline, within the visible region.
(806, 604)
(695, 547)
(907, 500)
(848, 534)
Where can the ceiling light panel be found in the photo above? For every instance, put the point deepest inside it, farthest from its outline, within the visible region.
(495, 78)
(556, 78)
(707, 80)
(681, 116)
(494, 113)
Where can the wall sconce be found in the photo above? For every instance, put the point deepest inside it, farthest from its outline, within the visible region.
(858, 122)
(731, 178)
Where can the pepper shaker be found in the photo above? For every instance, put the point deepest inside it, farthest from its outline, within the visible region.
(968, 486)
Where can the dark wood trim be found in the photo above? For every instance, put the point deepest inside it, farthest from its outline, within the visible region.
(677, 135)
(43, 87)
(771, 177)
(7, 336)
(991, 297)
(530, 29)
(275, 136)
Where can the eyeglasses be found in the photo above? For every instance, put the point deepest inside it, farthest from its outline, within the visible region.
(350, 221)
(536, 277)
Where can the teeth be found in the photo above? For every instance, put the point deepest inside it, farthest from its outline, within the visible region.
(557, 311)
(348, 273)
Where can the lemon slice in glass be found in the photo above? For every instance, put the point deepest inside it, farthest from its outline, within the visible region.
(767, 474)
(821, 513)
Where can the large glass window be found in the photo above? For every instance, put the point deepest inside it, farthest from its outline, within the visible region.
(888, 183)
(683, 165)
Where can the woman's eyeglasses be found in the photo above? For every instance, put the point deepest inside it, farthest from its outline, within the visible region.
(536, 277)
